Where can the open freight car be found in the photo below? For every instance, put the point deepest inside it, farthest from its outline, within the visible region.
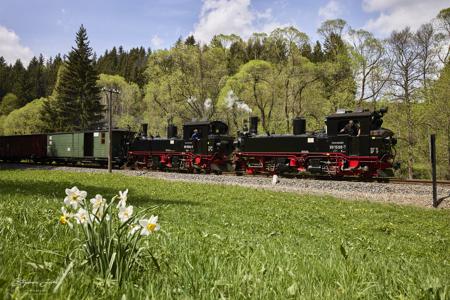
(15, 148)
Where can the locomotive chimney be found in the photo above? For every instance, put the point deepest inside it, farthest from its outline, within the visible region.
(299, 126)
(254, 125)
(172, 131)
(144, 128)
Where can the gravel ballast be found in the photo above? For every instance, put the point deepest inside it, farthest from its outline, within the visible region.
(404, 194)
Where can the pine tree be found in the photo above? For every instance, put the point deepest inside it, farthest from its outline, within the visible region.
(4, 72)
(190, 41)
(77, 105)
(51, 73)
(19, 82)
(317, 54)
(36, 79)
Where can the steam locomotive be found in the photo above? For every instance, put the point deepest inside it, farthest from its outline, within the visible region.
(210, 151)
(368, 151)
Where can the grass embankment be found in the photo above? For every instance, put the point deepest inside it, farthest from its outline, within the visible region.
(231, 242)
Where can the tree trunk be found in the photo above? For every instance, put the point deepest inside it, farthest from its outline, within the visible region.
(448, 150)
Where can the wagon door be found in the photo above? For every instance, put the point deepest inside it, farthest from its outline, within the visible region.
(88, 144)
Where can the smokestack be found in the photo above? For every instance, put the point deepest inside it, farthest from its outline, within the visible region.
(172, 131)
(254, 125)
(144, 128)
(299, 126)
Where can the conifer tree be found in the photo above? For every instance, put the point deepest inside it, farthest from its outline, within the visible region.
(317, 54)
(77, 106)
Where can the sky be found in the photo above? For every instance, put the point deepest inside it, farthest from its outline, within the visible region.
(31, 27)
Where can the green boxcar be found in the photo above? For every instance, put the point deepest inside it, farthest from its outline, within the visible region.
(87, 146)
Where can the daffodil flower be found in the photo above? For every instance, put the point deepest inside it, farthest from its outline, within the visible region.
(123, 198)
(74, 197)
(133, 229)
(82, 216)
(98, 203)
(149, 225)
(64, 219)
(125, 213)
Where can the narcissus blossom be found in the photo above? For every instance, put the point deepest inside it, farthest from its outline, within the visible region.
(98, 203)
(134, 228)
(82, 216)
(123, 198)
(74, 197)
(149, 225)
(64, 219)
(125, 213)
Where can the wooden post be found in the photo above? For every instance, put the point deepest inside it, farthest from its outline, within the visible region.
(433, 168)
(109, 100)
(110, 131)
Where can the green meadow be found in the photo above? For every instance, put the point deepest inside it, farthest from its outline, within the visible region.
(223, 242)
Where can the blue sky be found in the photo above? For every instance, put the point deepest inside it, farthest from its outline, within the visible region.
(31, 27)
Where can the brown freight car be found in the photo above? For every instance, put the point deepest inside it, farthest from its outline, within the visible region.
(18, 147)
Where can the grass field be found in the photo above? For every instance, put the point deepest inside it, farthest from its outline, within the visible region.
(225, 242)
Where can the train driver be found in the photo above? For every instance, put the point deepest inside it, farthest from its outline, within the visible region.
(351, 128)
(195, 136)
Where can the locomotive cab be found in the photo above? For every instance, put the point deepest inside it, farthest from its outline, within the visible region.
(211, 137)
(367, 139)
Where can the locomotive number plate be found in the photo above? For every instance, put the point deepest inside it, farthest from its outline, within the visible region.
(338, 147)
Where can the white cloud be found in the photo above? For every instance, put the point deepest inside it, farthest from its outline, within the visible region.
(11, 48)
(397, 14)
(157, 42)
(231, 17)
(331, 10)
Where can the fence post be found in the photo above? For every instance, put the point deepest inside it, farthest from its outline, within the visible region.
(433, 167)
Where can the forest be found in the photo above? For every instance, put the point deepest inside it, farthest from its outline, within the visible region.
(276, 76)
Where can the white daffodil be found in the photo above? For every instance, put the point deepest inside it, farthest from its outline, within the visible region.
(134, 228)
(123, 198)
(149, 225)
(98, 204)
(82, 216)
(64, 219)
(125, 213)
(74, 197)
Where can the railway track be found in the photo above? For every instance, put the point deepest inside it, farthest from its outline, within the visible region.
(409, 192)
(290, 176)
(418, 181)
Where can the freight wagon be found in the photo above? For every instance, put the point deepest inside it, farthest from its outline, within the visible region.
(15, 148)
(77, 147)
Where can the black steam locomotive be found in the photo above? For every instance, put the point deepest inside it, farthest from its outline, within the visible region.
(353, 144)
(209, 151)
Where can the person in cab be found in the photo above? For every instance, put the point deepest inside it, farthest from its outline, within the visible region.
(195, 136)
(351, 128)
